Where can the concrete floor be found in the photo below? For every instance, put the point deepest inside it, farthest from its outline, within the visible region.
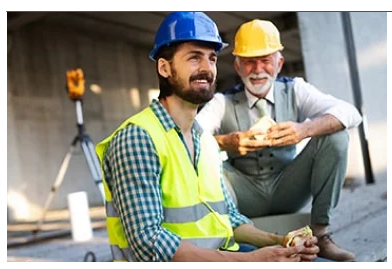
(359, 224)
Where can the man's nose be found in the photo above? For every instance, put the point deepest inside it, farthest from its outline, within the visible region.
(206, 65)
(258, 67)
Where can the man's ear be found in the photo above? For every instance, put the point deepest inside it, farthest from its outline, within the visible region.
(164, 68)
(280, 63)
(237, 65)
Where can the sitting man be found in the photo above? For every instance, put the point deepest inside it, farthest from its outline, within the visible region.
(267, 175)
(165, 196)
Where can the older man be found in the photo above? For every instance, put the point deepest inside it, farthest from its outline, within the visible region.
(267, 175)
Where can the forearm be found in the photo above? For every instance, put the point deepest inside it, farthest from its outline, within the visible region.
(188, 252)
(249, 234)
(323, 125)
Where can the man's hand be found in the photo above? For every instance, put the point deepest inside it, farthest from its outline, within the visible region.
(241, 143)
(310, 251)
(277, 254)
(286, 133)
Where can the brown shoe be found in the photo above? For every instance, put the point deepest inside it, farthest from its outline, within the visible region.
(329, 250)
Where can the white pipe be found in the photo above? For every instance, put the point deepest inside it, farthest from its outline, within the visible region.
(80, 216)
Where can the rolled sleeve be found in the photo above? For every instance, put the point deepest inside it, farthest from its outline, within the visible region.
(346, 113)
(313, 103)
(132, 171)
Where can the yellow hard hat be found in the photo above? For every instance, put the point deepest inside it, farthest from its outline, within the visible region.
(257, 38)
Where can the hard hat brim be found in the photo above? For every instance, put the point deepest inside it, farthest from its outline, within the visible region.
(257, 53)
(219, 46)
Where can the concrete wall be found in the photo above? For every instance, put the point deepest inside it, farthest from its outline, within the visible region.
(326, 67)
(41, 120)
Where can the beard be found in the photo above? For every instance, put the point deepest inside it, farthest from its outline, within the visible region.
(196, 96)
(258, 89)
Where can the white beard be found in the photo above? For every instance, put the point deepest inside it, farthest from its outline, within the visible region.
(258, 89)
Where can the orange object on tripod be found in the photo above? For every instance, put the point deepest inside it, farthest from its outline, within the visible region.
(75, 84)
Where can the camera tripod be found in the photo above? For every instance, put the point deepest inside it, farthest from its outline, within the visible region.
(87, 147)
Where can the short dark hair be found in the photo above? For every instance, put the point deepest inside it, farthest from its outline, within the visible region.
(167, 53)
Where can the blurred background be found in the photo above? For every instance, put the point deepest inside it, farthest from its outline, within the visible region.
(112, 49)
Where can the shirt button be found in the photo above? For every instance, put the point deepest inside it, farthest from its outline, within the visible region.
(271, 155)
(260, 154)
(271, 168)
(261, 168)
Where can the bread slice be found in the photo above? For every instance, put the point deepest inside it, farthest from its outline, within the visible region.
(263, 124)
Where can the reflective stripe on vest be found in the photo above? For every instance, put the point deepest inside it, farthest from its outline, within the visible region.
(121, 254)
(209, 242)
(192, 213)
(110, 211)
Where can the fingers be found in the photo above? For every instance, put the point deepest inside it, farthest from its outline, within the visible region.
(311, 241)
(283, 141)
(279, 127)
(294, 250)
(307, 257)
(279, 134)
(293, 258)
(311, 250)
(293, 253)
(254, 144)
(282, 134)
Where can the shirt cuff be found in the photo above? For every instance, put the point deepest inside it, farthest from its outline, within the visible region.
(346, 115)
(238, 220)
(166, 245)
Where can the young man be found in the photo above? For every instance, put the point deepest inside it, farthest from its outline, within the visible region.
(266, 174)
(165, 198)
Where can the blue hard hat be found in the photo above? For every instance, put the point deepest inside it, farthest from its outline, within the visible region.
(187, 26)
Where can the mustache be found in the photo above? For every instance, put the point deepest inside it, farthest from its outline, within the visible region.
(206, 76)
(260, 76)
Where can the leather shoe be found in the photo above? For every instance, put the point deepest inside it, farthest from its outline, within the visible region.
(330, 250)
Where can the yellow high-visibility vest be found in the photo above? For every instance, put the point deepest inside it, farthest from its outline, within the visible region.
(193, 202)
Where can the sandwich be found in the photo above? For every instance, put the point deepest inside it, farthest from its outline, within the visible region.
(297, 237)
(263, 124)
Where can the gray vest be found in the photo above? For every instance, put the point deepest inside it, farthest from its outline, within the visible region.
(268, 161)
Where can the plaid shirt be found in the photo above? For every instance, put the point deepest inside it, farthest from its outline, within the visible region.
(132, 171)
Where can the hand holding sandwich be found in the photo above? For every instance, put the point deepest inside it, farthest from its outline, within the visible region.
(241, 143)
(286, 133)
(277, 253)
(303, 237)
(310, 251)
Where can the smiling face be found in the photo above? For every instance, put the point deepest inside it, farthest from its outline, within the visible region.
(259, 73)
(192, 72)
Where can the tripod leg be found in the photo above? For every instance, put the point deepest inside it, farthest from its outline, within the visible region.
(93, 163)
(57, 183)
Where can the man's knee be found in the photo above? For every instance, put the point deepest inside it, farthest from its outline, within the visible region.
(338, 143)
